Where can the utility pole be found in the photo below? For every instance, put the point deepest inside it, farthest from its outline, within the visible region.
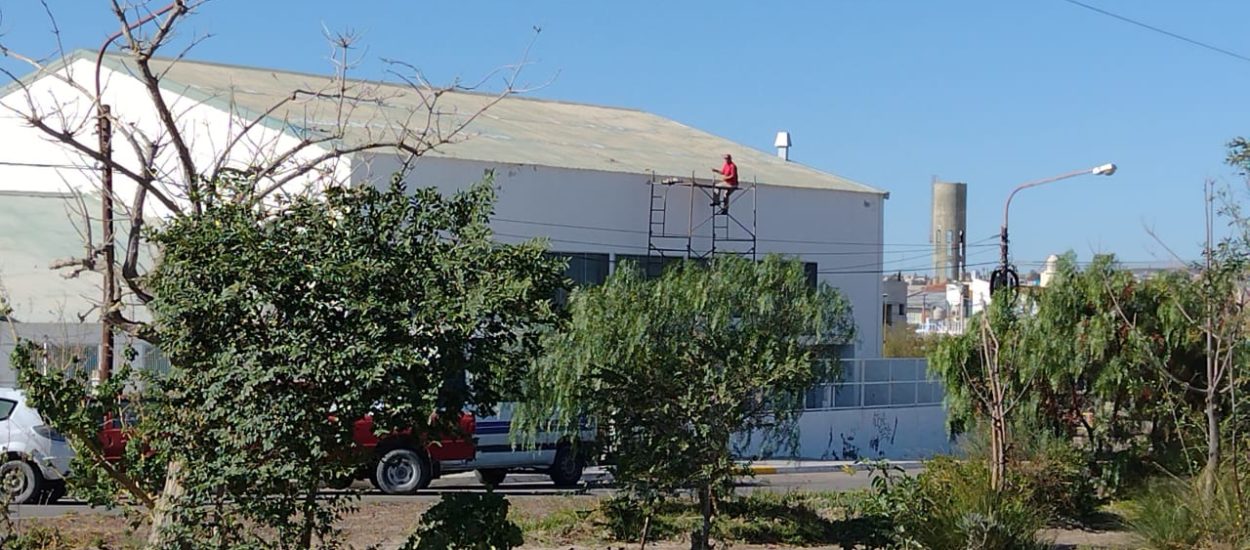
(104, 127)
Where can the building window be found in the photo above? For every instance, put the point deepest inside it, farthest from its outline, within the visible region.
(652, 266)
(870, 383)
(586, 269)
(583, 269)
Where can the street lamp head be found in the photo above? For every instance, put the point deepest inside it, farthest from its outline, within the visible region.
(1104, 170)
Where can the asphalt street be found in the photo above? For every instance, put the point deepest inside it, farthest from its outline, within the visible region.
(520, 486)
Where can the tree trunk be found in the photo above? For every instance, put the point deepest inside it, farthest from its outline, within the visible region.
(1210, 473)
(998, 451)
(310, 517)
(158, 537)
(702, 539)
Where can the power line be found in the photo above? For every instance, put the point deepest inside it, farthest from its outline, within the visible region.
(1153, 28)
(916, 246)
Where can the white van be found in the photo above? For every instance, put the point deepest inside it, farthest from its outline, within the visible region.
(557, 455)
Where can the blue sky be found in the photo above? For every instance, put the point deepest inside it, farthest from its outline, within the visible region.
(890, 93)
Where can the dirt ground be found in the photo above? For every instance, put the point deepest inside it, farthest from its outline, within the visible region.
(387, 525)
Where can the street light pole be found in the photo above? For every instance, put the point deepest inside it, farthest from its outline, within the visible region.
(1005, 276)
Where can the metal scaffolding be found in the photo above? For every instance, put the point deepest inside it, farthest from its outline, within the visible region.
(730, 233)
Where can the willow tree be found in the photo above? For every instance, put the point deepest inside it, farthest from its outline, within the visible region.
(673, 368)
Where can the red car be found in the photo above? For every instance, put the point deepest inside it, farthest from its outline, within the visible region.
(397, 464)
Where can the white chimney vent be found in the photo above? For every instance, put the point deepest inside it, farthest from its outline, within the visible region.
(782, 143)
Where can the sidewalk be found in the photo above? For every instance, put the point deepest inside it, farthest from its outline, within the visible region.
(784, 467)
(771, 467)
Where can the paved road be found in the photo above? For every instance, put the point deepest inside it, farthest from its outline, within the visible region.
(518, 486)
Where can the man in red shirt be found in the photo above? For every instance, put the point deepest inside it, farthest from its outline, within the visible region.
(728, 181)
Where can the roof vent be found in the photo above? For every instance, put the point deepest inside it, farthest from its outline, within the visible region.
(782, 143)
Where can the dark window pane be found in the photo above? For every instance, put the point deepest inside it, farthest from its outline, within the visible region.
(903, 393)
(875, 370)
(905, 370)
(846, 395)
(815, 397)
(876, 395)
(652, 266)
(6, 408)
(587, 269)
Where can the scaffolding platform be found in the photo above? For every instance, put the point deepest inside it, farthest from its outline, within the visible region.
(728, 231)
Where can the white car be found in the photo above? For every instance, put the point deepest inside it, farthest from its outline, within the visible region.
(558, 456)
(36, 458)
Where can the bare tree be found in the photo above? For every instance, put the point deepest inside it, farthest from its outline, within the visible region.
(298, 144)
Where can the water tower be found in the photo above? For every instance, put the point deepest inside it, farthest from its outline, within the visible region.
(949, 231)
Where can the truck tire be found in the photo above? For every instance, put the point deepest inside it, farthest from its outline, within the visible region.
(403, 471)
(492, 477)
(566, 469)
(21, 481)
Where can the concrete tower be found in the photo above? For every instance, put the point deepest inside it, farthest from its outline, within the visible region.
(950, 227)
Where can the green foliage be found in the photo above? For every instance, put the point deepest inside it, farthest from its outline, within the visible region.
(1170, 514)
(761, 517)
(467, 521)
(950, 506)
(283, 328)
(675, 367)
(1055, 475)
(902, 340)
(1102, 355)
(625, 520)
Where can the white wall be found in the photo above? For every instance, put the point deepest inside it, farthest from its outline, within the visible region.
(605, 212)
(896, 433)
(207, 125)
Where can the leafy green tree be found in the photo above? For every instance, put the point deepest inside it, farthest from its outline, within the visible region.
(902, 340)
(282, 328)
(673, 368)
(467, 521)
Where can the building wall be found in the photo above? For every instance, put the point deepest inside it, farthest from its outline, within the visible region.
(34, 162)
(604, 212)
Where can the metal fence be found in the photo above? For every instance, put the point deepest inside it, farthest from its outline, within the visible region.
(877, 383)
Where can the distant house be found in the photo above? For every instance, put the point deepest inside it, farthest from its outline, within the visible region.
(579, 175)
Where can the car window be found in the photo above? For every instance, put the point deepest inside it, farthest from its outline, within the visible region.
(6, 408)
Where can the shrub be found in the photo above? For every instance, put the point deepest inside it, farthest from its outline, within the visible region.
(952, 507)
(790, 519)
(1056, 477)
(467, 521)
(1175, 514)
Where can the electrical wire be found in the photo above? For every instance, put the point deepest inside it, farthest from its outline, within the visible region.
(917, 246)
(1164, 32)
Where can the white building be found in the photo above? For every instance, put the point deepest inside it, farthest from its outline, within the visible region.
(577, 174)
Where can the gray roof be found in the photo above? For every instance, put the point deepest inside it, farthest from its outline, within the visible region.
(517, 130)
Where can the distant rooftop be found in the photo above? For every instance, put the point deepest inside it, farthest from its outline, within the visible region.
(517, 130)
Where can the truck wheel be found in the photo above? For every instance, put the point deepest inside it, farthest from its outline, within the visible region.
(403, 472)
(566, 470)
(20, 481)
(491, 477)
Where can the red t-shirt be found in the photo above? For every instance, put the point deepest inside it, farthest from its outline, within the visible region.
(730, 172)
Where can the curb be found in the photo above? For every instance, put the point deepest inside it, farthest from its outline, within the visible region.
(809, 468)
